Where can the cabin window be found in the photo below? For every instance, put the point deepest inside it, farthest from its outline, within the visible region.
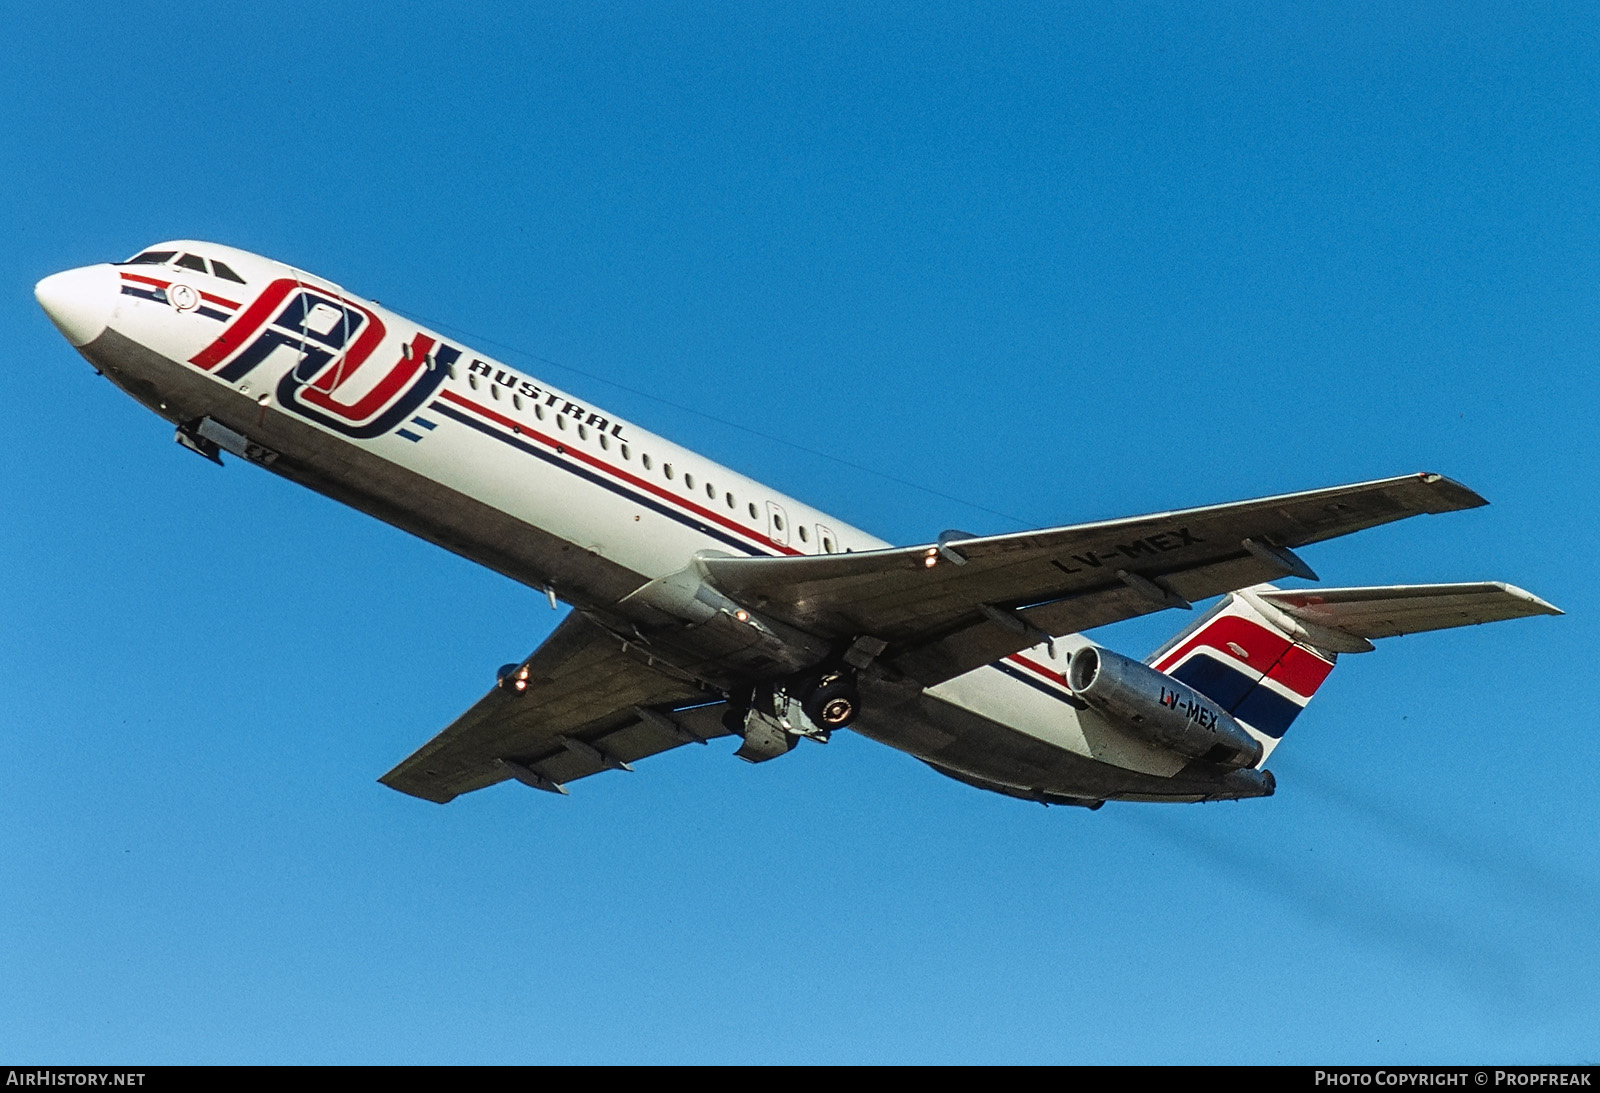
(827, 544)
(666, 468)
(561, 421)
(516, 400)
(192, 261)
(583, 432)
(472, 380)
(645, 459)
(494, 391)
(605, 442)
(222, 270)
(688, 481)
(711, 491)
(755, 513)
(452, 371)
(732, 504)
(803, 536)
(627, 453)
(538, 411)
(777, 521)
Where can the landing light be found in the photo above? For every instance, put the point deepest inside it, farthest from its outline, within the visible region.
(742, 615)
(514, 677)
(931, 558)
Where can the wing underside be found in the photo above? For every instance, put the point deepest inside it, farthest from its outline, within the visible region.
(589, 705)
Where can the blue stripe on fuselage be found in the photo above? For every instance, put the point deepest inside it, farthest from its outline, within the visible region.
(590, 476)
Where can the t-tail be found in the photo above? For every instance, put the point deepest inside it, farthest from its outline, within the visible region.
(1262, 653)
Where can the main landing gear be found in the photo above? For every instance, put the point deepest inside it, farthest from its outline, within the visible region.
(832, 702)
(772, 717)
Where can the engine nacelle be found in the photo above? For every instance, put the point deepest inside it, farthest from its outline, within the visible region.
(1159, 708)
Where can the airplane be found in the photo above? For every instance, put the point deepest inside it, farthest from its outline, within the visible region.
(705, 604)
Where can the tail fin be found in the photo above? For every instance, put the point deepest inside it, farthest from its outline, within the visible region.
(1262, 652)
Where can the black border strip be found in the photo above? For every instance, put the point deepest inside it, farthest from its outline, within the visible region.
(1039, 685)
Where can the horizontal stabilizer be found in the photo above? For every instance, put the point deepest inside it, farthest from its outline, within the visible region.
(1393, 610)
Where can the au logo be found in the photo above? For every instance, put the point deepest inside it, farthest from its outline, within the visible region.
(336, 379)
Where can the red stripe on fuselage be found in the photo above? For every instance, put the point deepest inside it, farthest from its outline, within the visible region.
(1038, 669)
(224, 301)
(616, 472)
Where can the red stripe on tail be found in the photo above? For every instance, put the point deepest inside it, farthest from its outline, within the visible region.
(1300, 671)
(1262, 647)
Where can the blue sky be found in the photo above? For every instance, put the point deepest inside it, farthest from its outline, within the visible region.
(1048, 264)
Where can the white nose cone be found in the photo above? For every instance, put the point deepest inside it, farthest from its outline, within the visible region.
(79, 301)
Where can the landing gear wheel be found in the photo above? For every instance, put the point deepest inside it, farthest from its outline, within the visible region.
(833, 703)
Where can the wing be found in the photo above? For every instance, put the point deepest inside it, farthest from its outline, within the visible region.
(589, 705)
(944, 608)
(1391, 611)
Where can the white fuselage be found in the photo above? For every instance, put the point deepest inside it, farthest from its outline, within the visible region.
(478, 456)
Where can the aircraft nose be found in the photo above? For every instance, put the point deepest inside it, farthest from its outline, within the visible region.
(79, 301)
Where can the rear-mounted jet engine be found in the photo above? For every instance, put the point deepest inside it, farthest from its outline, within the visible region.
(1157, 707)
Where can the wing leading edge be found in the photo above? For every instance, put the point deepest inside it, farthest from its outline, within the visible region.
(948, 607)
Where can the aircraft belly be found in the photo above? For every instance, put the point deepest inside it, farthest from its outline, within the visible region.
(450, 513)
(1000, 733)
(1052, 717)
(971, 747)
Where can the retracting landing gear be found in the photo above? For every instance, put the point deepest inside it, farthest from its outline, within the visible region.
(832, 702)
(773, 717)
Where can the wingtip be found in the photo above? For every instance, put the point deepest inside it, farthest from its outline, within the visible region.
(1537, 605)
(396, 781)
(1453, 494)
(1545, 606)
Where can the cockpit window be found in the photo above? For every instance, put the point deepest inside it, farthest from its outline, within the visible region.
(225, 273)
(192, 261)
(151, 258)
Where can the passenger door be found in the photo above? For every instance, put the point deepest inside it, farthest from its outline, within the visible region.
(777, 524)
